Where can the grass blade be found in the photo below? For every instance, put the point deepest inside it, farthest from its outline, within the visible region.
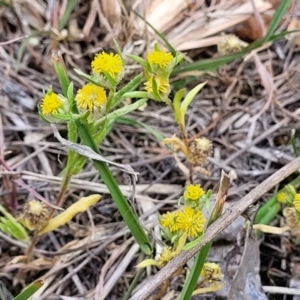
(280, 11)
(29, 291)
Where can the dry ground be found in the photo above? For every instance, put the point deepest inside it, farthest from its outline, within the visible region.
(250, 132)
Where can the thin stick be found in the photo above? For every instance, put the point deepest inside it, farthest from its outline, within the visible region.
(231, 214)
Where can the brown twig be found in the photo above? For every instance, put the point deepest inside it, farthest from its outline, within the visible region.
(225, 220)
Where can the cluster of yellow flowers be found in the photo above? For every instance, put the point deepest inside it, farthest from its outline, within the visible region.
(186, 223)
(107, 72)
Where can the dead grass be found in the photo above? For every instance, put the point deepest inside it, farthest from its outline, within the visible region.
(249, 128)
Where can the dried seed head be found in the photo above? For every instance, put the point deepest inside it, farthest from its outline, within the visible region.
(199, 150)
(292, 220)
(230, 44)
(35, 215)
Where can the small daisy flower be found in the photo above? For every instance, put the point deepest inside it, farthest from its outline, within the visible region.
(90, 96)
(191, 221)
(110, 63)
(163, 85)
(159, 58)
(51, 103)
(296, 201)
(193, 192)
(168, 220)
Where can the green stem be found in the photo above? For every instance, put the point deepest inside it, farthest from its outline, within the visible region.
(133, 284)
(125, 210)
(191, 282)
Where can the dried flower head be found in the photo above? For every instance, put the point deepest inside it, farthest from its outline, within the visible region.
(211, 273)
(166, 255)
(193, 192)
(90, 96)
(35, 215)
(230, 44)
(292, 220)
(110, 63)
(199, 150)
(51, 103)
(191, 221)
(160, 58)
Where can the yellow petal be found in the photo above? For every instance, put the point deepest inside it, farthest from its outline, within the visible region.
(212, 288)
(271, 229)
(80, 206)
(147, 262)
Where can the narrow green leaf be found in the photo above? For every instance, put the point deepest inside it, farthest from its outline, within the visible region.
(66, 16)
(170, 47)
(280, 11)
(130, 121)
(193, 243)
(189, 98)
(89, 78)
(130, 86)
(125, 210)
(122, 111)
(138, 59)
(176, 104)
(29, 291)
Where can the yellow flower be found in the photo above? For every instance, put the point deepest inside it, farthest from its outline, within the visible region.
(168, 220)
(110, 63)
(162, 84)
(166, 255)
(193, 192)
(296, 201)
(191, 221)
(160, 58)
(51, 103)
(281, 197)
(90, 96)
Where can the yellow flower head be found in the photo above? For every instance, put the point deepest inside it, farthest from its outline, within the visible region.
(296, 201)
(159, 58)
(110, 63)
(191, 221)
(281, 197)
(90, 96)
(193, 192)
(51, 103)
(168, 220)
(163, 85)
(166, 255)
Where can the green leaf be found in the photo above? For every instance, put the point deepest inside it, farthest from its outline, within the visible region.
(277, 17)
(70, 93)
(176, 104)
(188, 99)
(66, 16)
(170, 47)
(130, 86)
(130, 121)
(138, 59)
(122, 111)
(89, 78)
(193, 243)
(29, 291)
